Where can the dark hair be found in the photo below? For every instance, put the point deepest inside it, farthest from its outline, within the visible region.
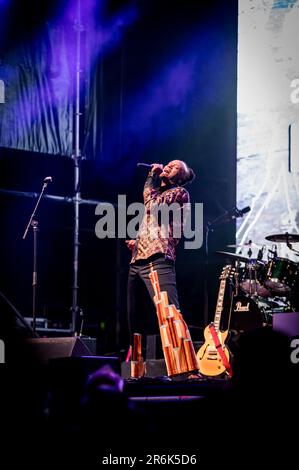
(190, 176)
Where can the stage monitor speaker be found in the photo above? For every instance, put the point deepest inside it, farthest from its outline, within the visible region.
(45, 349)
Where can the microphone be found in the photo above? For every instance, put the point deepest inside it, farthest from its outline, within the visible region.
(144, 165)
(235, 213)
(230, 215)
(48, 179)
(149, 166)
(241, 212)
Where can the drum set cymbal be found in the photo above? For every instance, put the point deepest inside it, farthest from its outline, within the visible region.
(283, 238)
(233, 256)
(245, 245)
(287, 238)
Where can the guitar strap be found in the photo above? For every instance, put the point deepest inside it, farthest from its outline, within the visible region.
(219, 348)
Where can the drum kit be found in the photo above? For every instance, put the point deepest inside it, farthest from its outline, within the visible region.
(263, 287)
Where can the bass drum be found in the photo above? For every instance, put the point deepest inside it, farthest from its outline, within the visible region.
(246, 314)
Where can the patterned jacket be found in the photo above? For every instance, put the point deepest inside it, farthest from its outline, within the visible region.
(156, 233)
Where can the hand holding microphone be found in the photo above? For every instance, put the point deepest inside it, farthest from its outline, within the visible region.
(156, 168)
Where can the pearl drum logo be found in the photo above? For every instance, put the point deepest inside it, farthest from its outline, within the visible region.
(241, 308)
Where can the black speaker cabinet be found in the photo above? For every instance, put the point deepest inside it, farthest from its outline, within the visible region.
(45, 349)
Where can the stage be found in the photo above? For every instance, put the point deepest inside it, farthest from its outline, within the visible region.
(149, 187)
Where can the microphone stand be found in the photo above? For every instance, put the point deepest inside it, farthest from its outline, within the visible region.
(290, 246)
(227, 216)
(34, 224)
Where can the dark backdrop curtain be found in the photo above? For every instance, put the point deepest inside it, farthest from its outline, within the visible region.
(38, 111)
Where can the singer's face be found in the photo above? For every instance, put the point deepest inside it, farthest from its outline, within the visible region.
(173, 171)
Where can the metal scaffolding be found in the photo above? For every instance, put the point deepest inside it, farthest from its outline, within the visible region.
(77, 175)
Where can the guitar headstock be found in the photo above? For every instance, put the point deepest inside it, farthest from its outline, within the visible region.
(227, 271)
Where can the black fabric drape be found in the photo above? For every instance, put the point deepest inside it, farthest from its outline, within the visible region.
(38, 111)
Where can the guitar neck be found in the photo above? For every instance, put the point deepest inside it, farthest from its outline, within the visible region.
(219, 305)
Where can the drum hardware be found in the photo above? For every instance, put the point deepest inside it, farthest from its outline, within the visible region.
(287, 238)
(245, 245)
(248, 245)
(276, 305)
(273, 252)
(235, 284)
(252, 279)
(290, 246)
(249, 252)
(265, 279)
(261, 253)
(271, 307)
(233, 256)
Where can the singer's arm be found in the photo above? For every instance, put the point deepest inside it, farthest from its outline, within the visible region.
(152, 182)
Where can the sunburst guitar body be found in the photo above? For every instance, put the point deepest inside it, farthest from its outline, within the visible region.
(208, 358)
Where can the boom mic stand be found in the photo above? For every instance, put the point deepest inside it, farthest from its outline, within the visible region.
(34, 224)
(290, 246)
(226, 217)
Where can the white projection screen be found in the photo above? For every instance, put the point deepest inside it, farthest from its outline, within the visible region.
(268, 122)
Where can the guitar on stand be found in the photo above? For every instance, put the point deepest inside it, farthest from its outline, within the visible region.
(214, 357)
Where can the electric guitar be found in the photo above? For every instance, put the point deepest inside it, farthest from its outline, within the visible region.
(209, 359)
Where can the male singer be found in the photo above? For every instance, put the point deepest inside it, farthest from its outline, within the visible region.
(164, 185)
